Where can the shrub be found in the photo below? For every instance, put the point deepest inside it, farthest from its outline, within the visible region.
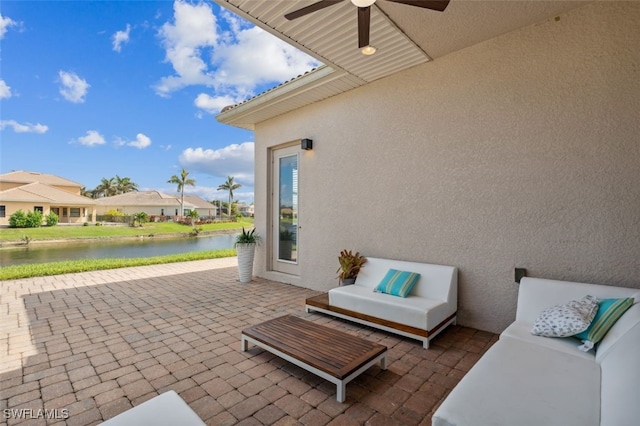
(51, 219)
(114, 216)
(18, 220)
(141, 218)
(21, 219)
(34, 219)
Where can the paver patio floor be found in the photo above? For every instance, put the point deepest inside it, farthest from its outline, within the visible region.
(86, 347)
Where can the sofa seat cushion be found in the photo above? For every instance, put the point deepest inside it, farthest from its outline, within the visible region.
(517, 383)
(521, 330)
(413, 311)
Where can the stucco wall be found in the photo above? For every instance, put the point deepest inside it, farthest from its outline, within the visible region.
(522, 151)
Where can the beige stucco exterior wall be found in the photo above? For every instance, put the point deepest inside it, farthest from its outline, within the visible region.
(522, 151)
(13, 206)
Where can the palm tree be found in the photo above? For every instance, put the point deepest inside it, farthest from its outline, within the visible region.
(229, 185)
(89, 193)
(106, 188)
(125, 184)
(181, 181)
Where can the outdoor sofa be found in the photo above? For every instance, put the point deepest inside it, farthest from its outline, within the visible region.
(526, 379)
(430, 306)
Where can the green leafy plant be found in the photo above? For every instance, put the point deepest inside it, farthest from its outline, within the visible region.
(248, 237)
(34, 219)
(140, 218)
(193, 216)
(21, 219)
(18, 220)
(350, 264)
(52, 219)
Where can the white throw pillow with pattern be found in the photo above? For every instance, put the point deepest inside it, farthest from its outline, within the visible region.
(566, 320)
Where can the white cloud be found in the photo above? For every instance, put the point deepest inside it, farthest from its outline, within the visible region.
(142, 141)
(233, 160)
(5, 24)
(212, 104)
(193, 31)
(121, 37)
(237, 61)
(232, 64)
(74, 88)
(5, 90)
(92, 138)
(23, 127)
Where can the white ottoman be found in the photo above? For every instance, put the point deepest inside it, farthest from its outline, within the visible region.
(166, 409)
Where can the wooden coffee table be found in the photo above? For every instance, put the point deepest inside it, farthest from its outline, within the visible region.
(331, 354)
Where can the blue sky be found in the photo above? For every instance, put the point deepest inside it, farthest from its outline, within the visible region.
(93, 89)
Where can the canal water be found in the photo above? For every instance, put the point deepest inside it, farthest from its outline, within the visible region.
(148, 247)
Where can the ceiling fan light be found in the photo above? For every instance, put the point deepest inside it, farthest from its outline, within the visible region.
(363, 3)
(368, 50)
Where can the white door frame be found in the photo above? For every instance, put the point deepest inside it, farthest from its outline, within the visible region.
(290, 264)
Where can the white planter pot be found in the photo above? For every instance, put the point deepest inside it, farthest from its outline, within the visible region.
(246, 253)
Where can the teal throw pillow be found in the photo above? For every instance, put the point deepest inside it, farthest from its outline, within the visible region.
(398, 283)
(609, 311)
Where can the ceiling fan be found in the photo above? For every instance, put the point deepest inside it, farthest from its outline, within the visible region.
(364, 12)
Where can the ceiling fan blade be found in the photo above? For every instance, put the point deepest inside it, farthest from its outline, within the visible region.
(311, 8)
(364, 18)
(439, 6)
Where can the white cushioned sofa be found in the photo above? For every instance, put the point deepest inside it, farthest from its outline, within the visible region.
(427, 310)
(525, 379)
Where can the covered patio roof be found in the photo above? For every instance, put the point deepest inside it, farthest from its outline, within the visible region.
(404, 36)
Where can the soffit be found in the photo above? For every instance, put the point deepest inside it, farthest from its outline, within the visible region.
(404, 35)
(331, 35)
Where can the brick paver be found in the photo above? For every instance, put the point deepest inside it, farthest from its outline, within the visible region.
(92, 345)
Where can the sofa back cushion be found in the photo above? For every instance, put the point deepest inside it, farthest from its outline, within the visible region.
(537, 294)
(436, 281)
(627, 321)
(620, 373)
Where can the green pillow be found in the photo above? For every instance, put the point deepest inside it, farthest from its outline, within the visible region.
(609, 311)
(398, 283)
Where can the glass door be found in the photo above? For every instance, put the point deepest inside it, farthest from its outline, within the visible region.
(285, 235)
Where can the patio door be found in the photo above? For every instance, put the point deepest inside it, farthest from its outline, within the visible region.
(285, 237)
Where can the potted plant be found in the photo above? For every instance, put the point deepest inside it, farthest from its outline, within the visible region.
(350, 265)
(245, 247)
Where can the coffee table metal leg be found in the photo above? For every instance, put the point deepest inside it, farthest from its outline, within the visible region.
(341, 391)
(244, 344)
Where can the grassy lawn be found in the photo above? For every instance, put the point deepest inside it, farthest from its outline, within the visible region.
(92, 231)
(71, 266)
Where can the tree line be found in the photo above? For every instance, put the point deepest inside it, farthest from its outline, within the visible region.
(110, 187)
(121, 185)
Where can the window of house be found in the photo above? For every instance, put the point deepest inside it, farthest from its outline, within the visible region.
(187, 211)
(55, 210)
(74, 212)
(161, 212)
(38, 209)
(3, 211)
(64, 212)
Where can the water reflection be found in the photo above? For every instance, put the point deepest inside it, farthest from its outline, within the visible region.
(104, 249)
